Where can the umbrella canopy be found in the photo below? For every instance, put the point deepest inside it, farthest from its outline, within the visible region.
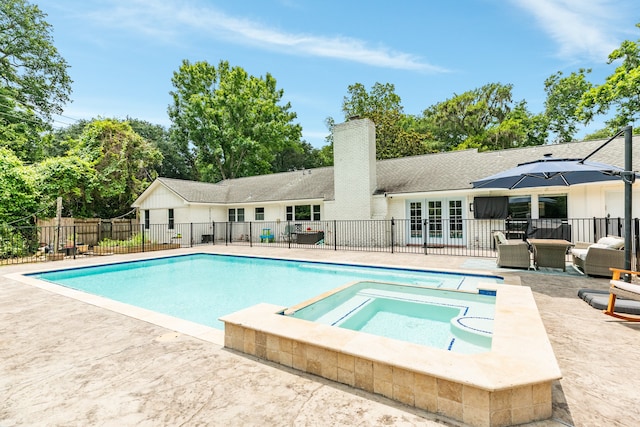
(550, 172)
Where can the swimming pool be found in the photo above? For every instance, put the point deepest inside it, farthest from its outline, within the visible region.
(450, 320)
(203, 287)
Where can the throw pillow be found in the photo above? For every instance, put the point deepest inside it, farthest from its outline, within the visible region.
(612, 242)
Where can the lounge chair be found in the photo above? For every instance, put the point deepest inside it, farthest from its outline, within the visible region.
(512, 253)
(289, 234)
(620, 288)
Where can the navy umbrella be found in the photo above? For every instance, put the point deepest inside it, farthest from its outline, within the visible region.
(550, 172)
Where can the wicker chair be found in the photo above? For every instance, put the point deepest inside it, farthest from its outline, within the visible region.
(595, 260)
(622, 289)
(512, 253)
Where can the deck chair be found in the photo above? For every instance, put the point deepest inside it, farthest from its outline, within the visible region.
(289, 233)
(620, 288)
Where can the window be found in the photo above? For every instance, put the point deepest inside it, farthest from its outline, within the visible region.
(236, 215)
(171, 219)
(553, 206)
(146, 219)
(519, 207)
(303, 213)
(259, 214)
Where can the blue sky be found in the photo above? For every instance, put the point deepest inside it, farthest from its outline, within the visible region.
(123, 53)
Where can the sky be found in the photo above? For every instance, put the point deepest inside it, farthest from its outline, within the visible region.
(123, 53)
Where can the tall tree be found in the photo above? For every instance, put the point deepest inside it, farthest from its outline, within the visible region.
(176, 162)
(33, 76)
(235, 122)
(383, 106)
(561, 106)
(124, 165)
(483, 118)
(621, 90)
(18, 191)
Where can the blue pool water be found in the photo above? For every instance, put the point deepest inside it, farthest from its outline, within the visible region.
(203, 287)
(451, 320)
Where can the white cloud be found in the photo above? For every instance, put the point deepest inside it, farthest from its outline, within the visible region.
(166, 20)
(580, 28)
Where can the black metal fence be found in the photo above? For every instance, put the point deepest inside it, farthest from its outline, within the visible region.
(470, 238)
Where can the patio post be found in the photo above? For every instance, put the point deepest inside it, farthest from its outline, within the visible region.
(628, 178)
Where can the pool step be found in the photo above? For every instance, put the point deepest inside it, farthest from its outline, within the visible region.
(344, 310)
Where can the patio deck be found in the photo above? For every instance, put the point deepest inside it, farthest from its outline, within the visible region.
(63, 361)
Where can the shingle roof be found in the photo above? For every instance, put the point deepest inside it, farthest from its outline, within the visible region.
(448, 171)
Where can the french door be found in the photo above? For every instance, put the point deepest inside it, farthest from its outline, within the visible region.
(438, 221)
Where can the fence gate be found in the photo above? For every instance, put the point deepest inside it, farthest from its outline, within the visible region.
(106, 230)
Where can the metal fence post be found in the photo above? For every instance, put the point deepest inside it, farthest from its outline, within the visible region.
(393, 227)
(251, 235)
(335, 235)
(424, 235)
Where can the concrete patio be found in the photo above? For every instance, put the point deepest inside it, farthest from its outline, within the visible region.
(67, 362)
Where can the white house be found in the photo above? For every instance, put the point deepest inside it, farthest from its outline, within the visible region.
(432, 193)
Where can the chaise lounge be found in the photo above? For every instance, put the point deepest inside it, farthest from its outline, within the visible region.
(622, 289)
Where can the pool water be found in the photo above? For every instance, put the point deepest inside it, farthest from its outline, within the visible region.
(203, 287)
(451, 320)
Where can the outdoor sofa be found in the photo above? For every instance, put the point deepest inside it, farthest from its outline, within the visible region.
(595, 259)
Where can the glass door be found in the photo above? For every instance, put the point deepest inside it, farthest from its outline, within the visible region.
(415, 223)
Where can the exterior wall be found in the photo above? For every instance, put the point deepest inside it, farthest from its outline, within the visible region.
(354, 154)
(162, 198)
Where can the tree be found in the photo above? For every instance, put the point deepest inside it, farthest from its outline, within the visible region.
(394, 137)
(621, 89)
(70, 177)
(483, 118)
(563, 99)
(235, 122)
(17, 185)
(124, 164)
(33, 76)
(177, 162)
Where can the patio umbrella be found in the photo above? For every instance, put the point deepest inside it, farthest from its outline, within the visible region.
(550, 172)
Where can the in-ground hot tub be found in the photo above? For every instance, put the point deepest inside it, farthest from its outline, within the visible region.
(510, 383)
(455, 321)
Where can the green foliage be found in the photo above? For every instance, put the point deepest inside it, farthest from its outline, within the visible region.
(234, 121)
(563, 98)
(33, 76)
(483, 118)
(395, 135)
(135, 240)
(17, 190)
(72, 178)
(620, 91)
(12, 243)
(177, 160)
(123, 164)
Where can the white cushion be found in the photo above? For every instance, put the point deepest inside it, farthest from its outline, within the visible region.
(579, 253)
(501, 238)
(599, 245)
(611, 242)
(626, 286)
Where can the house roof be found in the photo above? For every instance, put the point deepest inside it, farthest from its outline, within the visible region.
(454, 170)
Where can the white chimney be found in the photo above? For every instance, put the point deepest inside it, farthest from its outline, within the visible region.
(354, 168)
